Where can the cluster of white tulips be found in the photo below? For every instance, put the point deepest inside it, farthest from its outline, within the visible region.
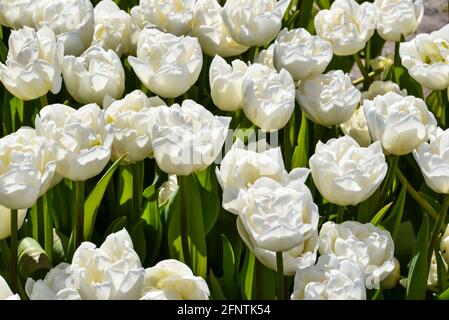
(182, 87)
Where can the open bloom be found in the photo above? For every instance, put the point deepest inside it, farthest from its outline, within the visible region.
(211, 31)
(5, 221)
(226, 83)
(328, 99)
(93, 75)
(27, 168)
(173, 16)
(427, 58)
(268, 97)
(398, 18)
(114, 28)
(277, 217)
(400, 123)
(357, 128)
(33, 65)
(71, 20)
(17, 13)
(5, 291)
(166, 64)
(433, 160)
(301, 54)
(371, 248)
(265, 57)
(80, 139)
(55, 285)
(131, 117)
(332, 278)
(347, 25)
(380, 88)
(187, 138)
(345, 173)
(254, 22)
(111, 272)
(173, 280)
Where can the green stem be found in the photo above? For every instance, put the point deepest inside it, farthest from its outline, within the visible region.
(280, 276)
(388, 180)
(184, 221)
(135, 168)
(362, 68)
(13, 249)
(372, 74)
(43, 100)
(438, 225)
(340, 214)
(79, 212)
(48, 233)
(40, 221)
(397, 57)
(416, 196)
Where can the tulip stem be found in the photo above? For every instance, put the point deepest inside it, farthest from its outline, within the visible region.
(362, 68)
(340, 214)
(184, 221)
(135, 168)
(371, 75)
(43, 100)
(280, 276)
(79, 213)
(437, 229)
(13, 247)
(48, 233)
(388, 180)
(397, 58)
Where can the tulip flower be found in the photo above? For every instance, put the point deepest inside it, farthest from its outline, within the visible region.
(265, 57)
(5, 291)
(380, 88)
(17, 14)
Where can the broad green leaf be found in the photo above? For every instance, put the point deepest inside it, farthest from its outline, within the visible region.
(406, 82)
(301, 153)
(436, 105)
(392, 222)
(210, 202)
(154, 228)
(60, 245)
(306, 17)
(444, 295)
(116, 225)
(3, 52)
(405, 242)
(264, 282)
(125, 190)
(93, 201)
(215, 288)
(228, 267)
(247, 276)
(138, 237)
(32, 259)
(419, 269)
(323, 4)
(379, 216)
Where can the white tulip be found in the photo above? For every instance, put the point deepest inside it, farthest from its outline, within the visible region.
(173, 280)
(432, 279)
(303, 55)
(17, 13)
(226, 83)
(345, 173)
(5, 221)
(211, 31)
(398, 18)
(131, 117)
(27, 167)
(332, 278)
(380, 88)
(240, 168)
(167, 189)
(300, 257)
(71, 20)
(347, 25)
(5, 291)
(173, 16)
(187, 139)
(328, 99)
(265, 57)
(357, 128)
(114, 28)
(93, 75)
(393, 278)
(444, 245)
(81, 139)
(55, 285)
(166, 64)
(111, 272)
(371, 248)
(268, 97)
(33, 65)
(276, 217)
(400, 123)
(427, 58)
(254, 22)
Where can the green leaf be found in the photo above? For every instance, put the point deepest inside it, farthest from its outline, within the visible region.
(406, 82)
(392, 222)
(210, 202)
(306, 17)
(301, 153)
(228, 267)
(154, 228)
(125, 190)
(323, 4)
(93, 201)
(138, 237)
(247, 276)
(215, 288)
(3, 52)
(379, 216)
(419, 269)
(60, 245)
(32, 259)
(116, 225)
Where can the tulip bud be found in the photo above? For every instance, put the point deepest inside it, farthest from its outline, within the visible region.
(393, 278)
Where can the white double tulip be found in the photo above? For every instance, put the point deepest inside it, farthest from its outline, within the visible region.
(328, 99)
(400, 123)
(278, 217)
(347, 25)
(265, 57)
(168, 188)
(80, 138)
(173, 280)
(380, 88)
(226, 83)
(211, 31)
(5, 221)
(345, 173)
(187, 138)
(55, 286)
(173, 16)
(27, 168)
(17, 13)
(114, 28)
(332, 278)
(268, 97)
(303, 55)
(5, 291)
(33, 65)
(71, 20)
(254, 22)
(97, 73)
(131, 117)
(111, 272)
(398, 18)
(371, 248)
(166, 64)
